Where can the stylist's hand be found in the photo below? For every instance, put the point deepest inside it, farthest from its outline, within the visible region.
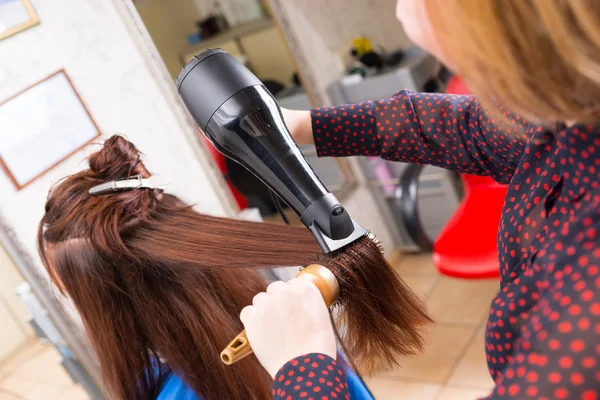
(288, 321)
(300, 125)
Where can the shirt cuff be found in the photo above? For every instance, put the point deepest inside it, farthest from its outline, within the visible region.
(345, 130)
(311, 375)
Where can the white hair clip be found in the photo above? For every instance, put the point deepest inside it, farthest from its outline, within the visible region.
(135, 182)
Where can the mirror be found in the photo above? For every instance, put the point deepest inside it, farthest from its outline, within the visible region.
(245, 29)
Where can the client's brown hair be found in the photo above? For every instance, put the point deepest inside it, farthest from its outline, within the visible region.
(153, 279)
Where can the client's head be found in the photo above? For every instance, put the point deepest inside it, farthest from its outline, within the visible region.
(152, 278)
(156, 281)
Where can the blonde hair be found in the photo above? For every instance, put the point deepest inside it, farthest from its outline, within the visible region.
(540, 58)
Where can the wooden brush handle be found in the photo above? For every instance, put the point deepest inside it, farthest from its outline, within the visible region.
(323, 279)
(237, 349)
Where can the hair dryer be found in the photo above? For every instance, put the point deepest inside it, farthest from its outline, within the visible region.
(241, 118)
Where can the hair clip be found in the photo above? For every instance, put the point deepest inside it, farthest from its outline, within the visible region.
(135, 182)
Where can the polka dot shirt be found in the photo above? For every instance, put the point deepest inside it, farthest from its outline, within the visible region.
(311, 377)
(543, 330)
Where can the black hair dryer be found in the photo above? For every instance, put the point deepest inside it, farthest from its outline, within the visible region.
(241, 118)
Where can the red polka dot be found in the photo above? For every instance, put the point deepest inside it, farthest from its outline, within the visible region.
(576, 378)
(553, 344)
(531, 391)
(561, 393)
(583, 324)
(588, 362)
(565, 327)
(589, 395)
(565, 362)
(577, 345)
(554, 377)
(531, 376)
(501, 390)
(514, 389)
(587, 295)
(575, 309)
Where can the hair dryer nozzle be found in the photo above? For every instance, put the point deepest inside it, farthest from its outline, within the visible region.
(243, 121)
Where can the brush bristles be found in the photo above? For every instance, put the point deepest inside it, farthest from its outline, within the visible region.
(381, 317)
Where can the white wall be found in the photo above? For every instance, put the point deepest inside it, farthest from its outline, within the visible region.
(14, 317)
(91, 41)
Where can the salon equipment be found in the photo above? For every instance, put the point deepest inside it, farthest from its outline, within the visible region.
(413, 72)
(243, 121)
(415, 201)
(135, 182)
(323, 280)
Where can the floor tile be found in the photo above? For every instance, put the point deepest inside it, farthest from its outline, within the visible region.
(74, 392)
(472, 369)
(462, 301)
(444, 345)
(7, 395)
(456, 393)
(44, 368)
(29, 390)
(421, 285)
(420, 265)
(393, 389)
(26, 353)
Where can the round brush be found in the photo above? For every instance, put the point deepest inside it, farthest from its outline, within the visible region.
(323, 279)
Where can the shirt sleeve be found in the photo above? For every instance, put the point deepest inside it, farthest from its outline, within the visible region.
(311, 376)
(558, 353)
(448, 131)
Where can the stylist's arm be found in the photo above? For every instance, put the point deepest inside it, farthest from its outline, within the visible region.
(290, 333)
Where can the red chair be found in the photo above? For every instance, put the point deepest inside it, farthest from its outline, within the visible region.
(467, 246)
(219, 160)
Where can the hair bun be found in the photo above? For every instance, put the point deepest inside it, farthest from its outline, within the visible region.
(118, 159)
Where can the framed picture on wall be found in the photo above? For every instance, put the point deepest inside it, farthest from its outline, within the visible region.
(42, 126)
(16, 16)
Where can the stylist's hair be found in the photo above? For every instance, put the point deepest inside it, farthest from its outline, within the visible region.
(538, 57)
(154, 280)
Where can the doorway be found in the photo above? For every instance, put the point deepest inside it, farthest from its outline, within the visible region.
(246, 30)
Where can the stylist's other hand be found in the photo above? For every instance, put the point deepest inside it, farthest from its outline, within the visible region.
(289, 320)
(300, 125)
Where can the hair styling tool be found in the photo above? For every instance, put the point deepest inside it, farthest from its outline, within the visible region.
(323, 279)
(135, 182)
(241, 118)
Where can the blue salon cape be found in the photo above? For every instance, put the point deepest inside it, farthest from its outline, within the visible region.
(175, 389)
